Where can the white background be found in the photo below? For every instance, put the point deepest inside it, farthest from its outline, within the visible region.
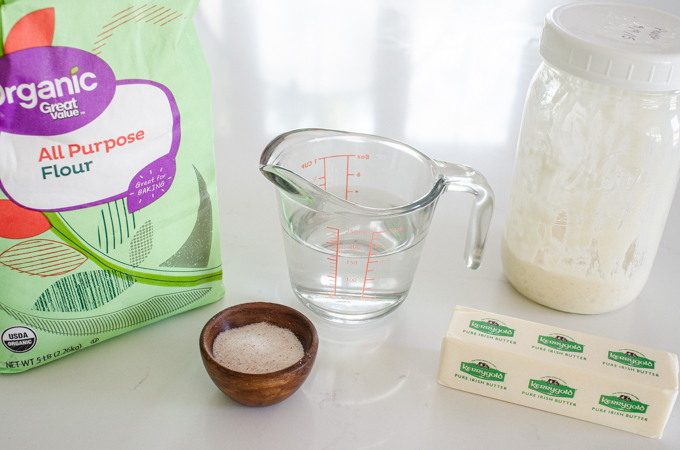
(448, 77)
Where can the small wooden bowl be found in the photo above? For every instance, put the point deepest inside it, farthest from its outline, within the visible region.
(261, 389)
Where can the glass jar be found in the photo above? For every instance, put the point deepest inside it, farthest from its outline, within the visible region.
(598, 158)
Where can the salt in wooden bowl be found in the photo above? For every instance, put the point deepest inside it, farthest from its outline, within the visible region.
(259, 389)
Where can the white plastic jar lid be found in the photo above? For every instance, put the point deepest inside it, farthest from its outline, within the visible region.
(626, 46)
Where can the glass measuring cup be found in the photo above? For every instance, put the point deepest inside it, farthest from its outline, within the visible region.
(355, 210)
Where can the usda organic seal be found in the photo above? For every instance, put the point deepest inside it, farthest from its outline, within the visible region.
(19, 339)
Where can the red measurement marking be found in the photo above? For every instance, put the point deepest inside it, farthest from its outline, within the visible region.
(346, 181)
(334, 261)
(336, 156)
(324, 174)
(370, 249)
(347, 174)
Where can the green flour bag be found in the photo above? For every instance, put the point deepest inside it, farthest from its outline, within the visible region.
(108, 205)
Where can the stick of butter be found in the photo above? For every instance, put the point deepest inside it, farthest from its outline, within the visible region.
(564, 372)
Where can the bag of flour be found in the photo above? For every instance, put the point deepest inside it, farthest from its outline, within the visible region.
(108, 206)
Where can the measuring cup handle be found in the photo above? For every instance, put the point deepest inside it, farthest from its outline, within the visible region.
(466, 179)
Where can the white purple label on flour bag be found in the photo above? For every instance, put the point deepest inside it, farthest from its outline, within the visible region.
(72, 136)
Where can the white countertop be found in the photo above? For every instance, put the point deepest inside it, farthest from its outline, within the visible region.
(448, 77)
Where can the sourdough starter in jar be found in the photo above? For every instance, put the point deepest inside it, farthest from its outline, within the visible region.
(598, 158)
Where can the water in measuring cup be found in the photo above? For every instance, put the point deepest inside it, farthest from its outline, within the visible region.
(348, 271)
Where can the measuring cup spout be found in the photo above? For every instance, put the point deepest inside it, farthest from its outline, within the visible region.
(303, 191)
(462, 178)
(310, 149)
(274, 165)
